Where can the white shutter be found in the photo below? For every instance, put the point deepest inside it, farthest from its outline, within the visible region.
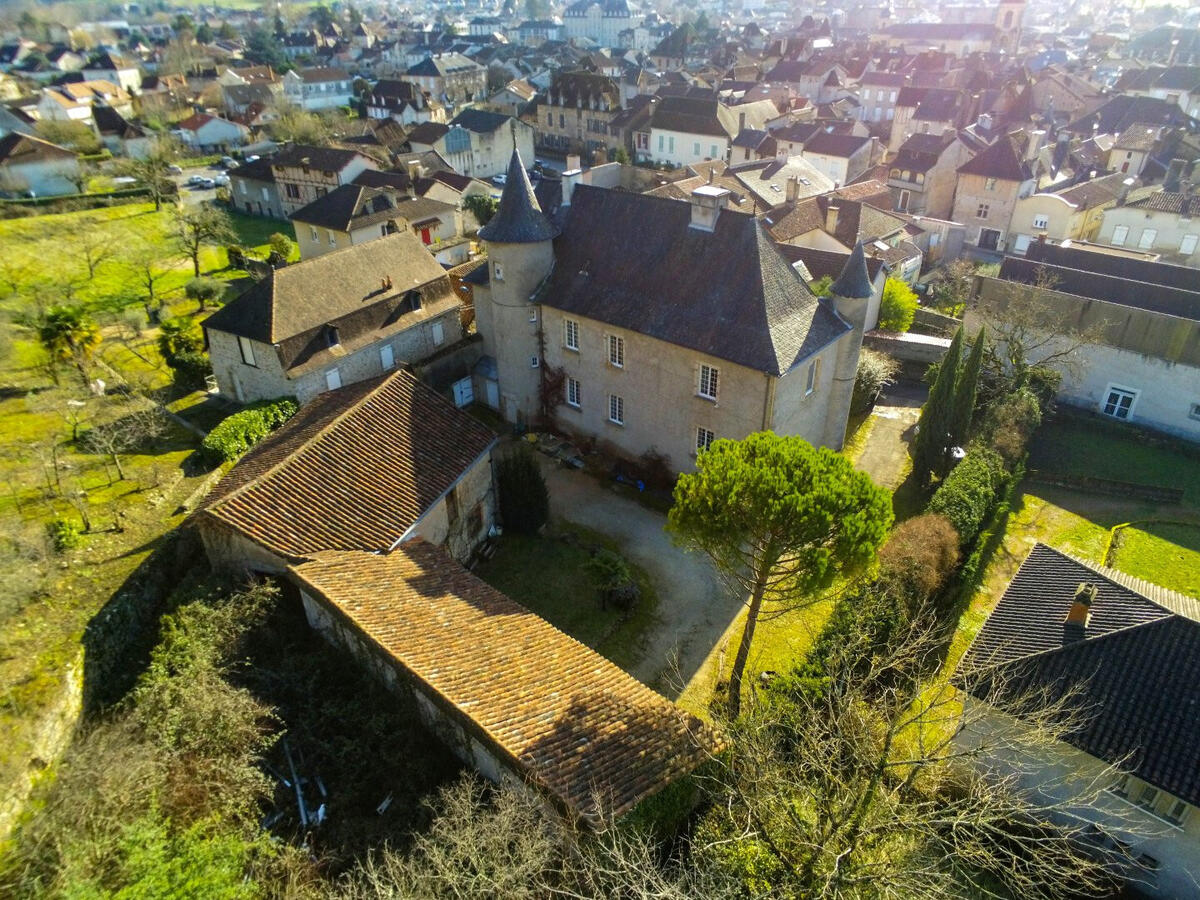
(387, 357)
(333, 379)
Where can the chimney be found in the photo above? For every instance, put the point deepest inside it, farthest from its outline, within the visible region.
(570, 178)
(793, 188)
(985, 122)
(707, 203)
(1035, 144)
(741, 122)
(574, 162)
(1174, 175)
(831, 217)
(1123, 196)
(1080, 613)
(414, 169)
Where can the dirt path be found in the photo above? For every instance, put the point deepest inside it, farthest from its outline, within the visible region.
(885, 456)
(694, 608)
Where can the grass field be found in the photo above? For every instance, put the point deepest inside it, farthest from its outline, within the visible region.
(547, 575)
(1080, 523)
(44, 261)
(1166, 553)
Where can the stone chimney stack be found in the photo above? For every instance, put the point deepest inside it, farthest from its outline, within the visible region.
(1080, 613)
(1174, 175)
(831, 216)
(570, 179)
(793, 188)
(1036, 138)
(707, 203)
(574, 162)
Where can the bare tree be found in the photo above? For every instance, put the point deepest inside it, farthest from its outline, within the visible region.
(95, 246)
(143, 264)
(134, 426)
(199, 226)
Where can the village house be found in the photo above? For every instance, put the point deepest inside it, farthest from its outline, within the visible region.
(1157, 221)
(575, 114)
(687, 130)
(843, 157)
(403, 102)
(601, 21)
(115, 69)
(476, 143)
(921, 110)
(689, 328)
(514, 99)
(33, 167)
(204, 133)
(877, 93)
(924, 174)
(319, 87)
(354, 214)
(379, 305)
(1139, 359)
(989, 187)
(365, 504)
(1122, 653)
(1074, 212)
(449, 78)
(252, 190)
(302, 173)
(120, 136)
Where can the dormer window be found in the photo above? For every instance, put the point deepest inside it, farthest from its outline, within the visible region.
(332, 336)
(413, 300)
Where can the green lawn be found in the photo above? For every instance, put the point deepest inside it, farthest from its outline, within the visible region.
(547, 575)
(1162, 552)
(126, 232)
(1080, 523)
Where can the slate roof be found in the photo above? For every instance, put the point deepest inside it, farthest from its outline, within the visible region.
(694, 115)
(327, 159)
(826, 262)
(728, 293)
(840, 145)
(518, 219)
(1136, 666)
(1124, 110)
(443, 65)
(351, 206)
(428, 133)
(581, 728)
(1142, 271)
(481, 121)
(292, 303)
(921, 152)
(1125, 288)
(853, 282)
(939, 105)
(1097, 191)
(1002, 161)
(352, 470)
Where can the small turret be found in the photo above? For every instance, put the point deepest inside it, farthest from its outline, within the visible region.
(519, 220)
(851, 295)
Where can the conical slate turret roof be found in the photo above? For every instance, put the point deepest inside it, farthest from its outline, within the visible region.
(519, 219)
(854, 283)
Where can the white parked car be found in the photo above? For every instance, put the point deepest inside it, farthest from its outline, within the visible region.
(221, 181)
(500, 179)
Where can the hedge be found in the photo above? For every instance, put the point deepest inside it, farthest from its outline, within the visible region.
(969, 492)
(241, 431)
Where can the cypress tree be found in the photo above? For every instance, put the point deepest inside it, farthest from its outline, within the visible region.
(929, 449)
(964, 393)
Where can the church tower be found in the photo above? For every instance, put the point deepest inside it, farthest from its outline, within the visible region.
(520, 247)
(851, 296)
(1009, 15)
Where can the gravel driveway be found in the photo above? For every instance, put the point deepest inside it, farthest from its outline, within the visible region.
(694, 609)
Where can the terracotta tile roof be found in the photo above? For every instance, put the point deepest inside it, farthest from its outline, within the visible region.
(580, 727)
(353, 470)
(1135, 661)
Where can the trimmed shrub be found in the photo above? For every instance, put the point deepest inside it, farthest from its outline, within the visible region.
(1012, 423)
(921, 554)
(64, 534)
(969, 492)
(191, 369)
(897, 307)
(875, 372)
(613, 579)
(524, 499)
(241, 431)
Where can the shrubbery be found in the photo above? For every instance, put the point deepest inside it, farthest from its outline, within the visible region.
(613, 579)
(969, 492)
(64, 534)
(1011, 423)
(241, 431)
(921, 554)
(898, 306)
(524, 500)
(875, 372)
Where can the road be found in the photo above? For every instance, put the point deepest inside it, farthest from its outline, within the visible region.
(694, 608)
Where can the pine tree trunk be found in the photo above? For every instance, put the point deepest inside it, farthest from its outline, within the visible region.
(743, 654)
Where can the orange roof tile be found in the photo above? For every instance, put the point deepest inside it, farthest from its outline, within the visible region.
(573, 722)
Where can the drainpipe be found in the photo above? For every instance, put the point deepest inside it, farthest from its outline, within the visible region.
(768, 402)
